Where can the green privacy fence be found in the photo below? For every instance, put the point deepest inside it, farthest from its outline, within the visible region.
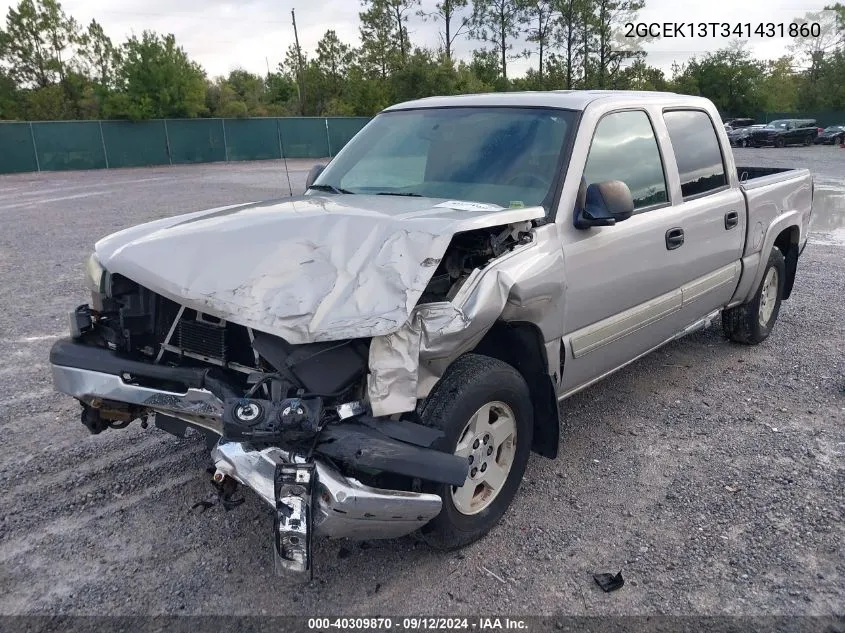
(64, 145)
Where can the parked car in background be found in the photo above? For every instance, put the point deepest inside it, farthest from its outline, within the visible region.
(739, 137)
(785, 132)
(734, 124)
(831, 135)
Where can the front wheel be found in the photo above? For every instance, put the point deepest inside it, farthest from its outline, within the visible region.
(780, 142)
(743, 143)
(808, 141)
(752, 322)
(483, 406)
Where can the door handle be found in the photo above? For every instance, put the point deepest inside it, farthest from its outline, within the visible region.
(731, 220)
(674, 238)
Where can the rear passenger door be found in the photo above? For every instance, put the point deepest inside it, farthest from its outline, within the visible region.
(709, 211)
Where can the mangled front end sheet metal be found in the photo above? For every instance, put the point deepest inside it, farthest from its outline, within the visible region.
(310, 269)
(521, 285)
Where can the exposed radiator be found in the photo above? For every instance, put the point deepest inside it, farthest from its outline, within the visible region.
(201, 338)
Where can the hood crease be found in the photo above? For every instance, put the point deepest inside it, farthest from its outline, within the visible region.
(308, 269)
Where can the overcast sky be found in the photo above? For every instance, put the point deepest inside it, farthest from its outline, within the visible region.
(224, 34)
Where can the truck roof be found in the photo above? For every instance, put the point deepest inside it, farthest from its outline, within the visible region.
(566, 99)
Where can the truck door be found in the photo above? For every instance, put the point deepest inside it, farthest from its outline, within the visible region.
(621, 280)
(632, 286)
(711, 213)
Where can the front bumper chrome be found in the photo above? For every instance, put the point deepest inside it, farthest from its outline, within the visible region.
(196, 406)
(339, 507)
(311, 497)
(344, 507)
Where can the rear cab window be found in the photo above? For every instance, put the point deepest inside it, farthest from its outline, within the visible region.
(698, 153)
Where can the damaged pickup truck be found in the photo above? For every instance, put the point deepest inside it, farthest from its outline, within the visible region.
(381, 355)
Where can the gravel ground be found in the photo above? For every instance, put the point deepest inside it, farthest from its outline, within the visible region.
(712, 473)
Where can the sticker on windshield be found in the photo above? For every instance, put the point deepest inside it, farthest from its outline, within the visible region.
(463, 205)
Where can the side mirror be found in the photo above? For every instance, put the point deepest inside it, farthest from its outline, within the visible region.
(316, 170)
(604, 204)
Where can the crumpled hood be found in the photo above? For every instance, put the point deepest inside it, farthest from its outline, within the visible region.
(308, 269)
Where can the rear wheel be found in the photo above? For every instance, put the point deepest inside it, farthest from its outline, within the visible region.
(752, 322)
(809, 140)
(743, 143)
(780, 142)
(483, 406)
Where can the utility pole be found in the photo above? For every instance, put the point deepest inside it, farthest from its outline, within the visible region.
(299, 85)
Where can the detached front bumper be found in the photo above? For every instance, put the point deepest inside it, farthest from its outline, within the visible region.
(95, 374)
(310, 496)
(313, 497)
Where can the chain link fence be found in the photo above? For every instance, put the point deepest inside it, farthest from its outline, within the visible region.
(67, 145)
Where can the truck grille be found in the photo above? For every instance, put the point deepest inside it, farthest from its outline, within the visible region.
(201, 338)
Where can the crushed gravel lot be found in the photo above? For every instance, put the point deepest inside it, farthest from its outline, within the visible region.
(712, 474)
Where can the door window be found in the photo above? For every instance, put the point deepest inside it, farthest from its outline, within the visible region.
(697, 151)
(624, 148)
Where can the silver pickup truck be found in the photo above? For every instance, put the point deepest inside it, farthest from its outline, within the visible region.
(381, 355)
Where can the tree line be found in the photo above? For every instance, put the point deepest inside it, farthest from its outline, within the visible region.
(53, 68)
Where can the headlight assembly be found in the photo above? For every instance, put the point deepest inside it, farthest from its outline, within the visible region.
(96, 275)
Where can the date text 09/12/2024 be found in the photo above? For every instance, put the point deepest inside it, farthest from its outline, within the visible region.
(418, 624)
(721, 29)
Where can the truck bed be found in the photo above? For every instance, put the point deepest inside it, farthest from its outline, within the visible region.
(775, 197)
(747, 174)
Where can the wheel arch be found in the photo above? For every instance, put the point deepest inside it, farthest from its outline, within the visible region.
(520, 344)
(787, 241)
(784, 231)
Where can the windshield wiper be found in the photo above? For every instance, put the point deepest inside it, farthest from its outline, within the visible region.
(399, 193)
(331, 188)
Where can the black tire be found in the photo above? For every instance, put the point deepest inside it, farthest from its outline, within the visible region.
(469, 383)
(780, 142)
(809, 140)
(743, 143)
(742, 323)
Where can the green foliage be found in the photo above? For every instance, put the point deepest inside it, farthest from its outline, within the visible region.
(730, 78)
(641, 76)
(9, 97)
(780, 86)
(539, 22)
(50, 68)
(36, 42)
(607, 19)
(498, 22)
(448, 13)
(157, 80)
(384, 34)
(485, 65)
(99, 58)
(423, 75)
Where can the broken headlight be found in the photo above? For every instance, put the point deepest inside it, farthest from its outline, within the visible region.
(96, 274)
(97, 281)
